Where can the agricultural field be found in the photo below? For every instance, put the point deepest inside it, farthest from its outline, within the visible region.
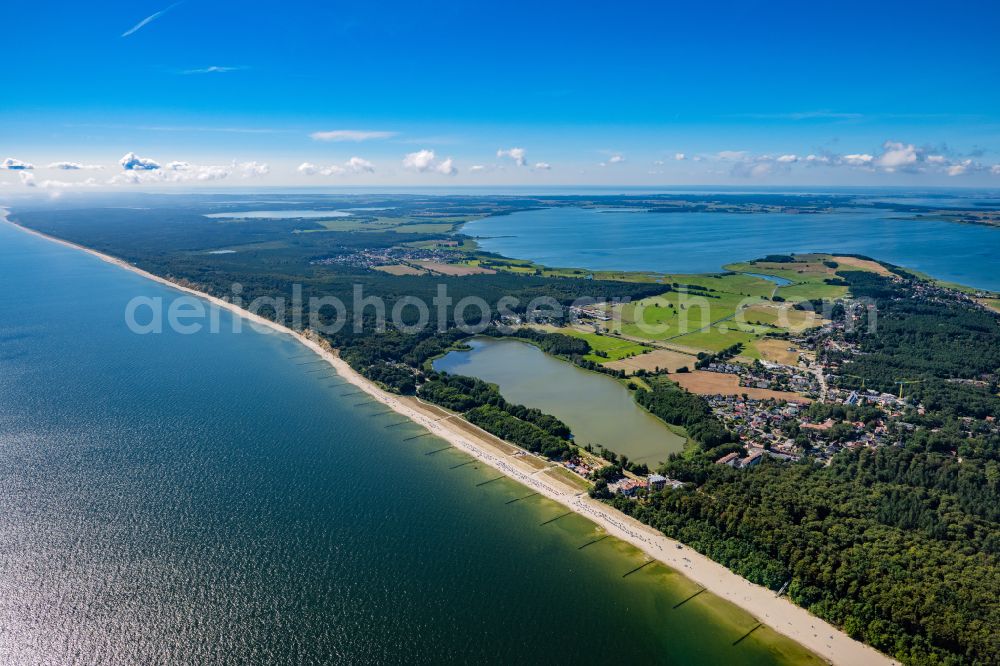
(605, 347)
(781, 315)
(776, 350)
(691, 316)
(453, 269)
(719, 337)
(808, 274)
(717, 383)
(992, 303)
(657, 359)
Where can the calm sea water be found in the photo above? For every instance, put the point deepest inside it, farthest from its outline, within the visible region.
(202, 499)
(597, 408)
(704, 242)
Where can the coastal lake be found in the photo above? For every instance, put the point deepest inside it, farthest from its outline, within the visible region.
(218, 499)
(597, 408)
(609, 239)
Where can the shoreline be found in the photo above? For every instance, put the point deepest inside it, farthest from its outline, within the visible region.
(778, 613)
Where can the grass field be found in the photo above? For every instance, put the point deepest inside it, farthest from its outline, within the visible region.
(808, 274)
(718, 338)
(692, 317)
(993, 303)
(614, 348)
(781, 315)
(453, 269)
(568, 477)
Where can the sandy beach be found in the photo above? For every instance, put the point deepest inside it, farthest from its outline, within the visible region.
(776, 612)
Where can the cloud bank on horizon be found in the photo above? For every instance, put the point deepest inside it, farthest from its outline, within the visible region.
(337, 97)
(894, 157)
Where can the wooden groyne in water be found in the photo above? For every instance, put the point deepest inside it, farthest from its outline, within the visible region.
(641, 566)
(684, 601)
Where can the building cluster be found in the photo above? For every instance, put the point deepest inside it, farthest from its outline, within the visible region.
(632, 486)
(759, 423)
(578, 466)
(597, 311)
(769, 375)
(374, 257)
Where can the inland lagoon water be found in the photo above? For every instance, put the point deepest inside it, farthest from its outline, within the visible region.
(704, 242)
(214, 498)
(598, 409)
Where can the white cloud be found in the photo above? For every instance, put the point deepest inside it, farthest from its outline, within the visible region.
(446, 167)
(476, 168)
(995, 169)
(351, 166)
(858, 159)
(29, 180)
(542, 166)
(138, 170)
(74, 166)
(359, 165)
(212, 69)
(896, 155)
(187, 171)
(149, 19)
(425, 160)
(132, 162)
(959, 169)
(680, 157)
(419, 161)
(351, 135)
(516, 154)
(616, 159)
(422, 160)
(12, 164)
(251, 169)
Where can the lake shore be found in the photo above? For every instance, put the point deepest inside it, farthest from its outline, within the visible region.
(777, 613)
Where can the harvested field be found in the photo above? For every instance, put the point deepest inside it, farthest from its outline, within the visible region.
(782, 316)
(658, 358)
(717, 383)
(777, 351)
(454, 269)
(864, 265)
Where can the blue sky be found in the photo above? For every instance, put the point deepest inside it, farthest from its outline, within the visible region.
(218, 92)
